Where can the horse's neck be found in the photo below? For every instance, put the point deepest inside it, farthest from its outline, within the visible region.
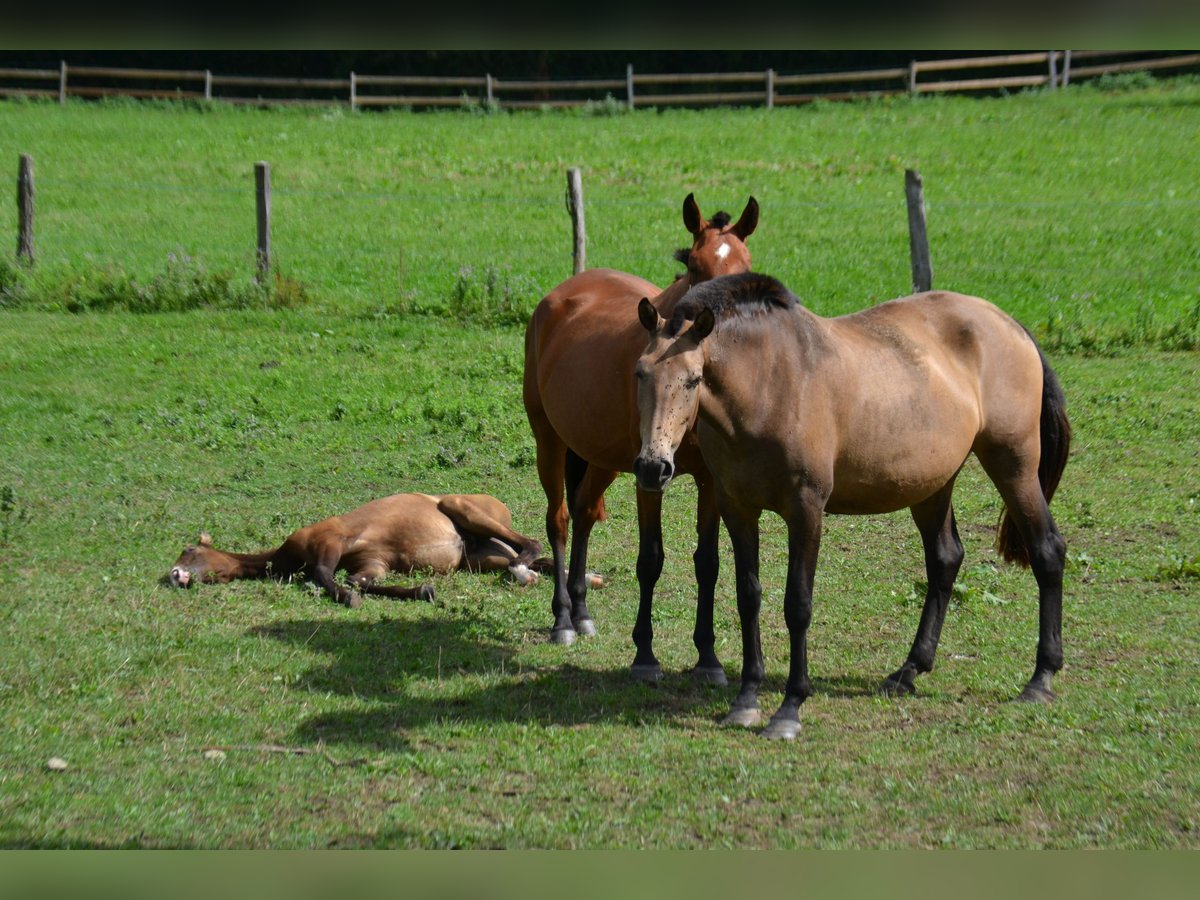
(670, 295)
(256, 565)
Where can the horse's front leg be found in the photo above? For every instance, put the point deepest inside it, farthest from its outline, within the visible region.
(707, 562)
(322, 569)
(649, 567)
(742, 524)
(804, 542)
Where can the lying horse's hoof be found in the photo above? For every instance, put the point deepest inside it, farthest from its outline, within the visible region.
(744, 717)
(782, 730)
(425, 592)
(585, 627)
(351, 600)
(646, 673)
(714, 675)
(563, 636)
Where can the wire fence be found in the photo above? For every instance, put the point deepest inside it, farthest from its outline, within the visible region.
(979, 244)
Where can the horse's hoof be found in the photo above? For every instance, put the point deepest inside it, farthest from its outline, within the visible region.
(352, 600)
(743, 717)
(585, 627)
(563, 636)
(782, 730)
(1033, 694)
(646, 673)
(425, 592)
(894, 687)
(714, 675)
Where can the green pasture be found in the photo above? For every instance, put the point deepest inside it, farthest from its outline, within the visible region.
(1073, 209)
(388, 366)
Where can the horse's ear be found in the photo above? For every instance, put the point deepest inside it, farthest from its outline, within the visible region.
(703, 325)
(748, 222)
(692, 220)
(205, 539)
(649, 316)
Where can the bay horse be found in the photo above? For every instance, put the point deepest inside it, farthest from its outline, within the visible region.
(399, 533)
(580, 348)
(865, 413)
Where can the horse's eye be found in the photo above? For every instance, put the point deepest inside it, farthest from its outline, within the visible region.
(693, 382)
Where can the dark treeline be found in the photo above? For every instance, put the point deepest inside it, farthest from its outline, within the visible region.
(516, 64)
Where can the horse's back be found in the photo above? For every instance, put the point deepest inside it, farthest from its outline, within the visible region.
(917, 383)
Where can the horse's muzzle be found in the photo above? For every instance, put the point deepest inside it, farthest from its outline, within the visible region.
(181, 577)
(653, 474)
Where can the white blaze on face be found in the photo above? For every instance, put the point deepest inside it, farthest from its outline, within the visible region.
(723, 251)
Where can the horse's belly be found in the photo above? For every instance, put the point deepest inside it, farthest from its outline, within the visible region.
(894, 484)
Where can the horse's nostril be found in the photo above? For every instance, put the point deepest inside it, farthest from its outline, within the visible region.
(653, 474)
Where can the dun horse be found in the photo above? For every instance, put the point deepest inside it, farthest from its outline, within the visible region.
(866, 413)
(580, 347)
(398, 533)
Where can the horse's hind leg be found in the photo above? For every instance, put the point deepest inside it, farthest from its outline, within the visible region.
(472, 520)
(587, 509)
(551, 467)
(1047, 557)
(943, 557)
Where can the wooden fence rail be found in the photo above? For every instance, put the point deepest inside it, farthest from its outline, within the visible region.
(1051, 68)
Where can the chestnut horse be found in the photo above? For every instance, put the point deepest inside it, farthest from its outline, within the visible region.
(580, 347)
(398, 533)
(866, 413)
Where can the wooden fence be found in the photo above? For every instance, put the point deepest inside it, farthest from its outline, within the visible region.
(1050, 69)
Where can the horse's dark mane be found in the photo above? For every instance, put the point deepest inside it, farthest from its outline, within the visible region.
(732, 295)
(719, 220)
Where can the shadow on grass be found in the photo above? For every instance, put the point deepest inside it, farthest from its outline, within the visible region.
(438, 671)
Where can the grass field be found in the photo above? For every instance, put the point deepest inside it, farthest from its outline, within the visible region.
(122, 435)
(1074, 209)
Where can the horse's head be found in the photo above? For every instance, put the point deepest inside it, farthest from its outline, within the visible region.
(201, 563)
(668, 375)
(718, 248)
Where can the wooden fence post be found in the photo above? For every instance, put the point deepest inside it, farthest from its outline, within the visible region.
(1066, 75)
(208, 84)
(575, 208)
(491, 91)
(62, 81)
(770, 88)
(912, 76)
(353, 91)
(262, 183)
(25, 209)
(629, 84)
(918, 237)
(1053, 55)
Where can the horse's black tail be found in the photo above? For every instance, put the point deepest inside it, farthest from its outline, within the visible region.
(575, 469)
(1056, 447)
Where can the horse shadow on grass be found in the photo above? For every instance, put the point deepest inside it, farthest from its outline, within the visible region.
(462, 670)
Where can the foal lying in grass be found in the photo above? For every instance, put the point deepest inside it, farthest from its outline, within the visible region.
(395, 534)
